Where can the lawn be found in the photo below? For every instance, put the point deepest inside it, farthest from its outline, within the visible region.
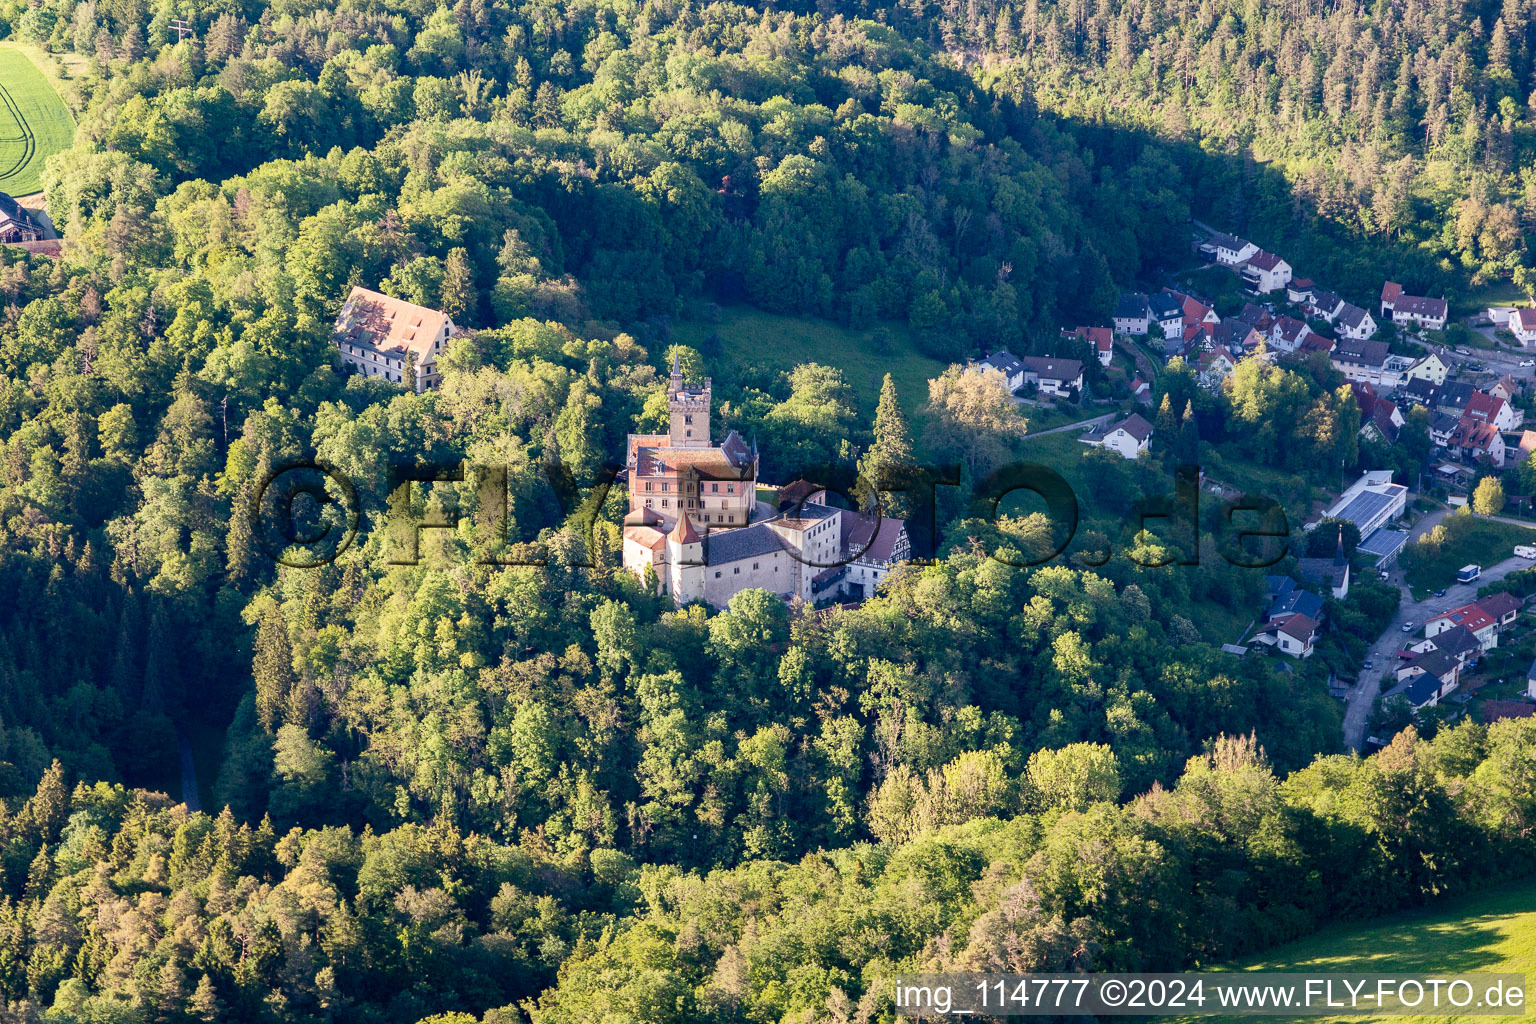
(753, 338)
(1470, 540)
(34, 123)
(1493, 932)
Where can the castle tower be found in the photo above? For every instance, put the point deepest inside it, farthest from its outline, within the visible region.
(685, 561)
(689, 411)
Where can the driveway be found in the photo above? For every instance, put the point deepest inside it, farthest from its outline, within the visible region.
(1079, 425)
(1361, 698)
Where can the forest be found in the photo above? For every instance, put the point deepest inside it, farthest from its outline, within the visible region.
(539, 792)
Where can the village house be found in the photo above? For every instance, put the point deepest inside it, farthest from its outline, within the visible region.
(1238, 337)
(1522, 324)
(1426, 678)
(1214, 367)
(1486, 408)
(1288, 333)
(1131, 315)
(1286, 598)
(1431, 368)
(17, 223)
(1482, 625)
(1052, 375)
(1167, 312)
(1264, 272)
(1455, 641)
(1102, 340)
(1130, 437)
(1475, 441)
(1228, 250)
(1363, 361)
(379, 335)
(1325, 305)
(1355, 323)
(1257, 317)
(1415, 310)
(1005, 365)
(1506, 387)
(1294, 635)
(1299, 291)
(1379, 418)
(874, 545)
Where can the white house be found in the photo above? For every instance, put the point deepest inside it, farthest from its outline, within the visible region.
(1363, 361)
(1483, 626)
(1054, 376)
(1005, 365)
(1414, 310)
(1228, 249)
(1130, 437)
(1291, 634)
(1167, 312)
(1431, 368)
(381, 336)
(1265, 272)
(1102, 340)
(1131, 315)
(1355, 323)
(1325, 305)
(1288, 333)
(1522, 324)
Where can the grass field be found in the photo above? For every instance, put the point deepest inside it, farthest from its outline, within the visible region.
(1492, 932)
(34, 123)
(753, 338)
(1483, 542)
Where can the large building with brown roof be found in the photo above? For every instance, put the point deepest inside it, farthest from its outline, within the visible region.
(695, 527)
(379, 335)
(681, 472)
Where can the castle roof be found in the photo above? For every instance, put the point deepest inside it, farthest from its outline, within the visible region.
(684, 532)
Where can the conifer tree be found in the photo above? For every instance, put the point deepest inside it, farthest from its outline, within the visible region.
(888, 456)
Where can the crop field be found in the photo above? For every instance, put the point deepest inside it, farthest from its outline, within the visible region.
(34, 123)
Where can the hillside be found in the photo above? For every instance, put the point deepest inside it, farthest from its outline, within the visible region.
(34, 123)
(1489, 932)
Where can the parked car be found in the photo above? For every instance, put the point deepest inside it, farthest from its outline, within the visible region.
(1369, 664)
(1407, 627)
(1528, 362)
(1439, 593)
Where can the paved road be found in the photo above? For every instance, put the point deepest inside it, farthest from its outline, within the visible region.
(1079, 425)
(1361, 698)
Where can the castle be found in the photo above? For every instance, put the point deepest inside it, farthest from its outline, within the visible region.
(696, 521)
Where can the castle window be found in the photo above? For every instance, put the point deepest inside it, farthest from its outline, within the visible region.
(736, 571)
(663, 502)
(689, 420)
(754, 565)
(730, 488)
(647, 485)
(714, 488)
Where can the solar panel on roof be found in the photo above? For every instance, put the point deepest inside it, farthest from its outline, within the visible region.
(1364, 507)
(1383, 542)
